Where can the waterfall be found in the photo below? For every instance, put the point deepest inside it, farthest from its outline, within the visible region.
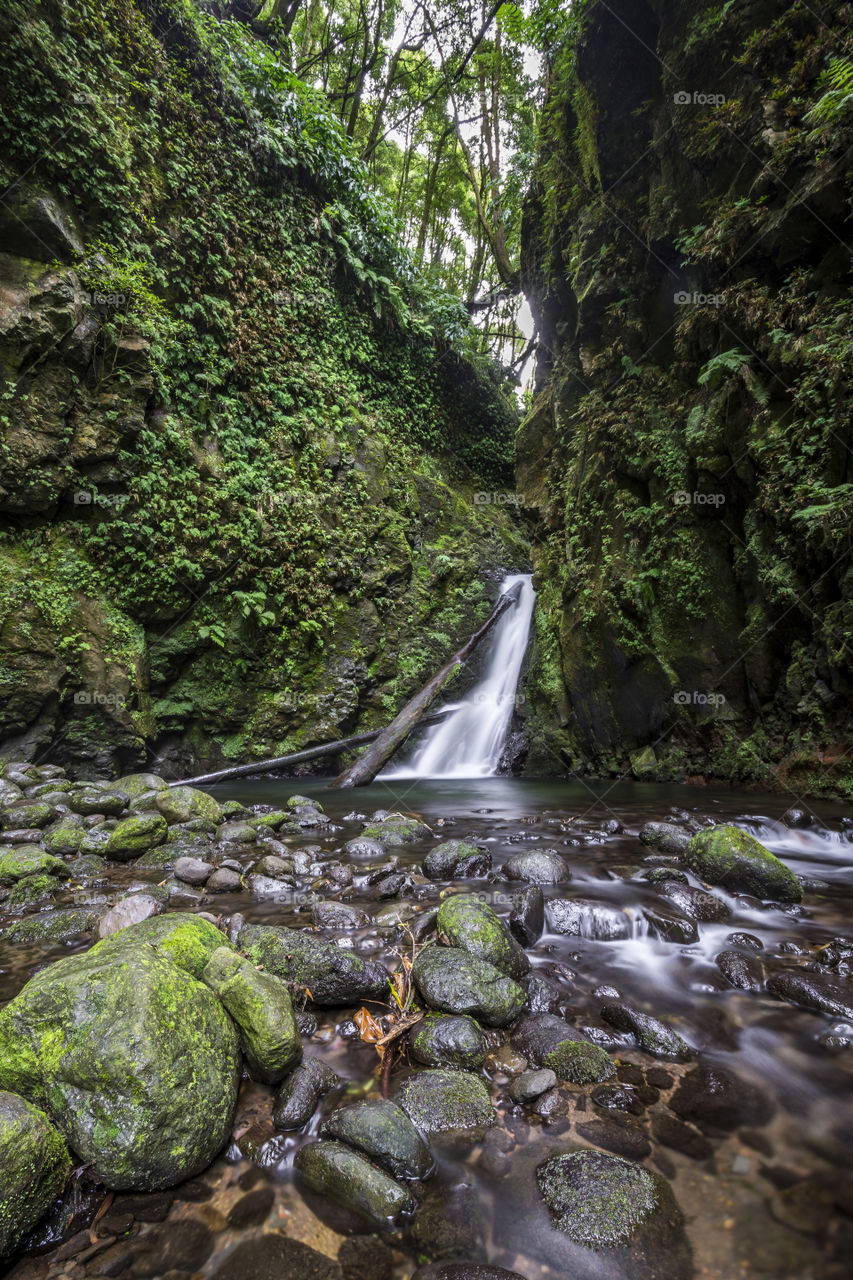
(469, 743)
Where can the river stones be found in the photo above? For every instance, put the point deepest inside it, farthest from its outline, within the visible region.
(383, 1132)
(471, 924)
(91, 799)
(127, 911)
(446, 1101)
(273, 1256)
(716, 1100)
(464, 1271)
(743, 971)
(52, 926)
(696, 904)
(136, 784)
(333, 975)
(137, 1061)
(188, 941)
(396, 830)
(670, 926)
(182, 804)
(456, 859)
(580, 1062)
(27, 814)
(448, 1041)
(34, 1166)
(17, 864)
(193, 870)
(261, 1007)
(664, 837)
(652, 1035)
(64, 836)
(583, 918)
(345, 1176)
(536, 1037)
(133, 836)
(734, 859)
(453, 981)
(297, 1098)
(816, 991)
(338, 915)
(527, 918)
(530, 1084)
(538, 866)
(449, 1222)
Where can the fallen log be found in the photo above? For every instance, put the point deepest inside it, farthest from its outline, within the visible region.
(297, 757)
(366, 767)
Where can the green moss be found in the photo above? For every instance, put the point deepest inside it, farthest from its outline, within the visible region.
(580, 1062)
(186, 941)
(731, 857)
(597, 1200)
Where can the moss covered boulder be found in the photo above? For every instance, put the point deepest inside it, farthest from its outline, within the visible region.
(137, 1063)
(137, 784)
(580, 1062)
(17, 864)
(187, 941)
(65, 835)
(445, 1040)
(52, 926)
(335, 1171)
(333, 975)
(260, 1005)
(27, 814)
(396, 830)
(384, 1133)
(34, 1165)
(468, 922)
(182, 804)
(135, 835)
(453, 981)
(734, 859)
(457, 859)
(446, 1101)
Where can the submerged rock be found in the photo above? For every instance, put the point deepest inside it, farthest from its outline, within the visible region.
(335, 1170)
(451, 980)
(446, 1101)
(583, 918)
(261, 1007)
(297, 1098)
(715, 1099)
(137, 1062)
(273, 1256)
(471, 924)
(384, 1132)
(448, 1041)
(652, 1035)
(734, 859)
(34, 1166)
(816, 991)
(333, 975)
(580, 1062)
(538, 866)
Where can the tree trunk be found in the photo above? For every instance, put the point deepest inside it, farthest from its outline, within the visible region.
(365, 769)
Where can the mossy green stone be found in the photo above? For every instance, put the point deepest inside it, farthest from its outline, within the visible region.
(182, 804)
(447, 1040)
(260, 1005)
(580, 1062)
(453, 981)
(15, 864)
(396, 831)
(64, 836)
(135, 835)
(137, 1063)
(446, 1101)
(34, 1166)
(31, 890)
(137, 784)
(598, 1200)
(52, 926)
(345, 1176)
(333, 975)
(385, 1134)
(733, 858)
(35, 814)
(188, 941)
(468, 922)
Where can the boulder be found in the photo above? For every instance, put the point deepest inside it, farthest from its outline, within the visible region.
(470, 924)
(456, 859)
(446, 1101)
(343, 1175)
(261, 1007)
(182, 804)
(383, 1132)
(580, 1062)
(537, 866)
(334, 976)
(136, 784)
(34, 1166)
(453, 981)
(26, 814)
(137, 1062)
(188, 941)
(127, 911)
(442, 1040)
(734, 859)
(16, 864)
(133, 836)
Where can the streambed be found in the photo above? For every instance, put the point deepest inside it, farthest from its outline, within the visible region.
(765, 1187)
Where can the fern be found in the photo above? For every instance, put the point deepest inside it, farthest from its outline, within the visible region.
(837, 97)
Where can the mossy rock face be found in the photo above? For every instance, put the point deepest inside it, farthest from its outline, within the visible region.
(456, 858)
(735, 860)
(600, 1200)
(52, 926)
(448, 1041)
(136, 1061)
(35, 814)
(135, 835)
(396, 830)
(31, 891)
(64, 836)
(332, 975)
(137, 784)
(453, 981)
(446, 1101)
(471, 924)
(580, 1062)
(334, 1170)
(384, 1132)
(182, 804)
(261, 1007)
(17, 864)
(34, 1165)
(185, 940)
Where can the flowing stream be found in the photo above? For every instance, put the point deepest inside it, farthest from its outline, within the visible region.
(469, 743)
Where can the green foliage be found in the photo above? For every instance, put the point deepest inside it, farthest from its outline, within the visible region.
(836, 100)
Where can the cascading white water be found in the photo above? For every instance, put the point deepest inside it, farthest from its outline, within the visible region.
(468, 744)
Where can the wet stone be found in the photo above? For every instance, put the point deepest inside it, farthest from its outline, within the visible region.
(530, 1084)
(527, 918)
(624, 1139)
(539, 866)
(448, 1041)
(384, 1133)
(743, 971)
(680, 1136)
(720, 1100)
(276, 1257)
(297, 1098)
